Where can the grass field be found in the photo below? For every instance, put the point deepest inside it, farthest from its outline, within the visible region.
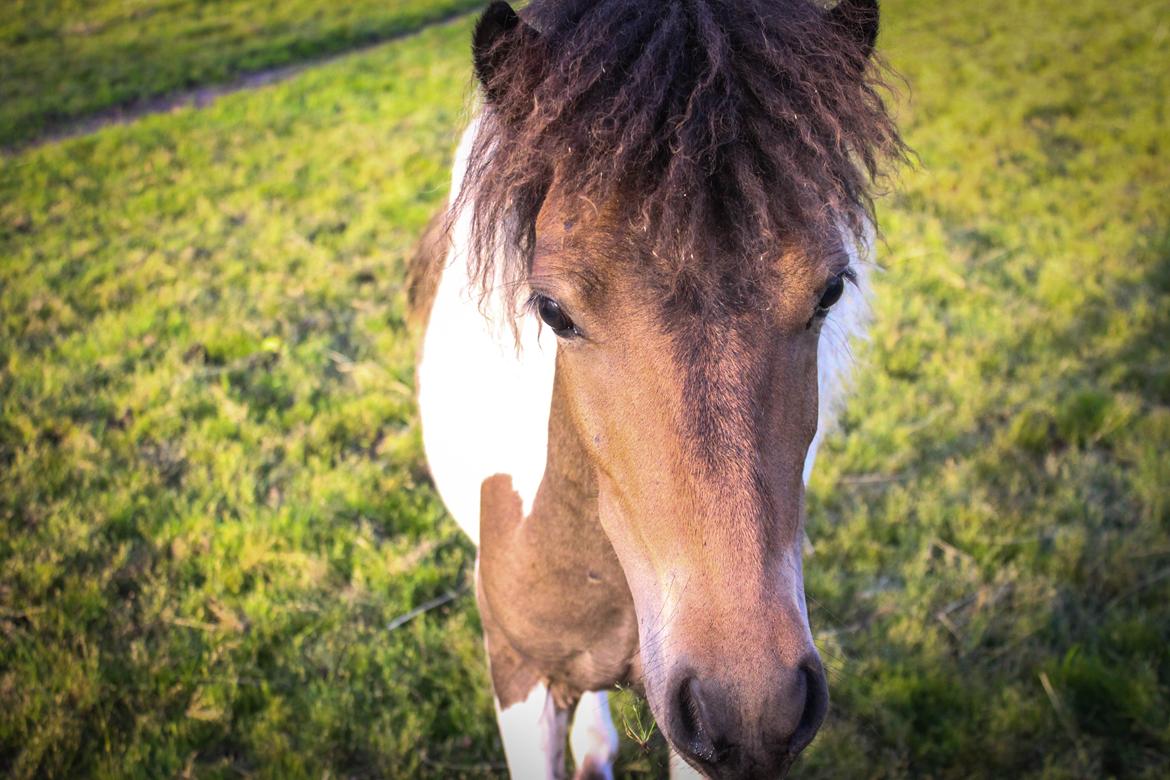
(63, 59)
(214, 504)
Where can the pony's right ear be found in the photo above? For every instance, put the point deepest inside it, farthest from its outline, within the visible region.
(498, 33)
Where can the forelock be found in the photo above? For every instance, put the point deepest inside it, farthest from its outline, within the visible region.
(716, 130)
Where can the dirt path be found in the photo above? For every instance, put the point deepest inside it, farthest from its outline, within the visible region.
(201, 97)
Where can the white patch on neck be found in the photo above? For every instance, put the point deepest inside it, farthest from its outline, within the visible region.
(533, 732)
(846, 321)
(484, 405)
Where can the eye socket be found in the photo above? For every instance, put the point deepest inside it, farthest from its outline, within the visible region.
(832, 293)
(554, 316)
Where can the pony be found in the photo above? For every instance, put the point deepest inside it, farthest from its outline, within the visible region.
(637, 305)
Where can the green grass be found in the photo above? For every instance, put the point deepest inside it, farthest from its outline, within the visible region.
(992, 529)
(214, 500)
(63, 59)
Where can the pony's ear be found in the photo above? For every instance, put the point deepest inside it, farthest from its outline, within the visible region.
(859, 20)
(497, 34)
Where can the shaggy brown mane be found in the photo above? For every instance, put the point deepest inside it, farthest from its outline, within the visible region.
(720, 129)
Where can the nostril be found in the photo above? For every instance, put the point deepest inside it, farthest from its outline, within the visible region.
(689, 715)
(688, 708)
(698, 729)
(816, 705)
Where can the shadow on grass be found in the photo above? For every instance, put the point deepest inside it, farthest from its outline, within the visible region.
(1009, 600)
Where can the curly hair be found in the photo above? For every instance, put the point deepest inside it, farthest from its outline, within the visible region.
(719, 130)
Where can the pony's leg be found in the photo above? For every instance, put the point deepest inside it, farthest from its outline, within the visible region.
(533, 731)
(593, 738)
(532, 725)
(681, 770)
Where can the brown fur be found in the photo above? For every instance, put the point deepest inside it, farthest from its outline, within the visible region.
(674, 174)
(424, 269)
(658, 514)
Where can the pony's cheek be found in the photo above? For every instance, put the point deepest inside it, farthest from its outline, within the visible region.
(621, 524)
(594, 401)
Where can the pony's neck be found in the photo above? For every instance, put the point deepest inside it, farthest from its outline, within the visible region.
(551, 581)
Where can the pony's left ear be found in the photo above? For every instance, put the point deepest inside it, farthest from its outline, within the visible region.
(498, 33)
(858, 19)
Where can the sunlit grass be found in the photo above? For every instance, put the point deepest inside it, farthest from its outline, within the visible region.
(991, 528)
(214, 503)
(63, 59)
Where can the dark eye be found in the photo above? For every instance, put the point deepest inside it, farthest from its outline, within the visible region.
(554, 316)
(832, 293)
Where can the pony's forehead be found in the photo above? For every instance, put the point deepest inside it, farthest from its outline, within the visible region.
(696, 138)
(593, 248)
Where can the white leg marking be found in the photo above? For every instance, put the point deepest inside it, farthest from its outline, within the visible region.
(593, 735)
(533, 732)
(681, 770)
